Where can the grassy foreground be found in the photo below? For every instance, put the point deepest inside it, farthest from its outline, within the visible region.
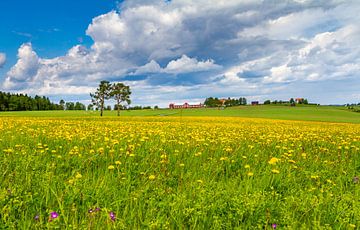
(178, 172)
(305, 113)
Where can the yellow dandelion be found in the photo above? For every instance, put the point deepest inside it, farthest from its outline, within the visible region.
(275, 171)
(247, 166)
(273, 160)
(152, 177)
(78, 176)
(117, 162)
(250, 174)
(111, 167)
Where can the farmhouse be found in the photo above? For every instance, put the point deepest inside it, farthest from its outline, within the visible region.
(222, 101)
(254, 103)
(299, 100)
(185, 106)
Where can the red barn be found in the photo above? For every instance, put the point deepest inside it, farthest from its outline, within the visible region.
(185, 106)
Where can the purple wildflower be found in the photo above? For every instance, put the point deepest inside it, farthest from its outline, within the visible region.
(37, 217)
(54, 215)
(274, 226)
(97, 209)
(112, 216)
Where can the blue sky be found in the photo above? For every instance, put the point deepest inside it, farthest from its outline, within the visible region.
(52, 27)
(182, 50)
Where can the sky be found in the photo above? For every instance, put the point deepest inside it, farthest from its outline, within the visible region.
(181, 50)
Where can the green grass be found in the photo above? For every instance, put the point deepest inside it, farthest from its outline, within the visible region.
(303, 113)
(178, 173)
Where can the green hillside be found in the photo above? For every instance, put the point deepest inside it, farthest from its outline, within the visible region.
(306, 113)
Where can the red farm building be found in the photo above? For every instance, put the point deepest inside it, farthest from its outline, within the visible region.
(185, 106)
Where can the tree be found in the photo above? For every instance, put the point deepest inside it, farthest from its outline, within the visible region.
(212, 102)
(267, 102)
(244, 102)
(62, 104)
(70, 106)
(79, 106)
(90, 107)
(102, 93)
(121, 93)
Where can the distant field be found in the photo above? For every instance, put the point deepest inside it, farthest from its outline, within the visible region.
(305, 113)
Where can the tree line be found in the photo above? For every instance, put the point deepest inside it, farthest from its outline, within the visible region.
(116, 91)
(72, 105)
(291, 101)
(216, 102)
(23, 102)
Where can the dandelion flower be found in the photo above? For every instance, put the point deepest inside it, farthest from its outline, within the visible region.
(111, 167)
(78, 176)
(152, 177)
(275, 171)
(273, 161)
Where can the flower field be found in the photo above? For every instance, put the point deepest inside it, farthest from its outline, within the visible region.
(178, 172)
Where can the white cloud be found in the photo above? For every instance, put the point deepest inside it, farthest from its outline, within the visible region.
(184, 64)
(151, 67)
(2, 59)
(279, 74)
(188, 65)
(25, 69)
(226, 47)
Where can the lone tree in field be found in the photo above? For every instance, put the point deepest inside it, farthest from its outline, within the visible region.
(121, 93)
(102, 93)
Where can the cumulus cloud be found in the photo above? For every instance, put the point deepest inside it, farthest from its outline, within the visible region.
(184, 64)
(24, 70)
(199, 48)
(188, 65)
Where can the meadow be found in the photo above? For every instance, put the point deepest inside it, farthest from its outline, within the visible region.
(280, 112)
(171, 172)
